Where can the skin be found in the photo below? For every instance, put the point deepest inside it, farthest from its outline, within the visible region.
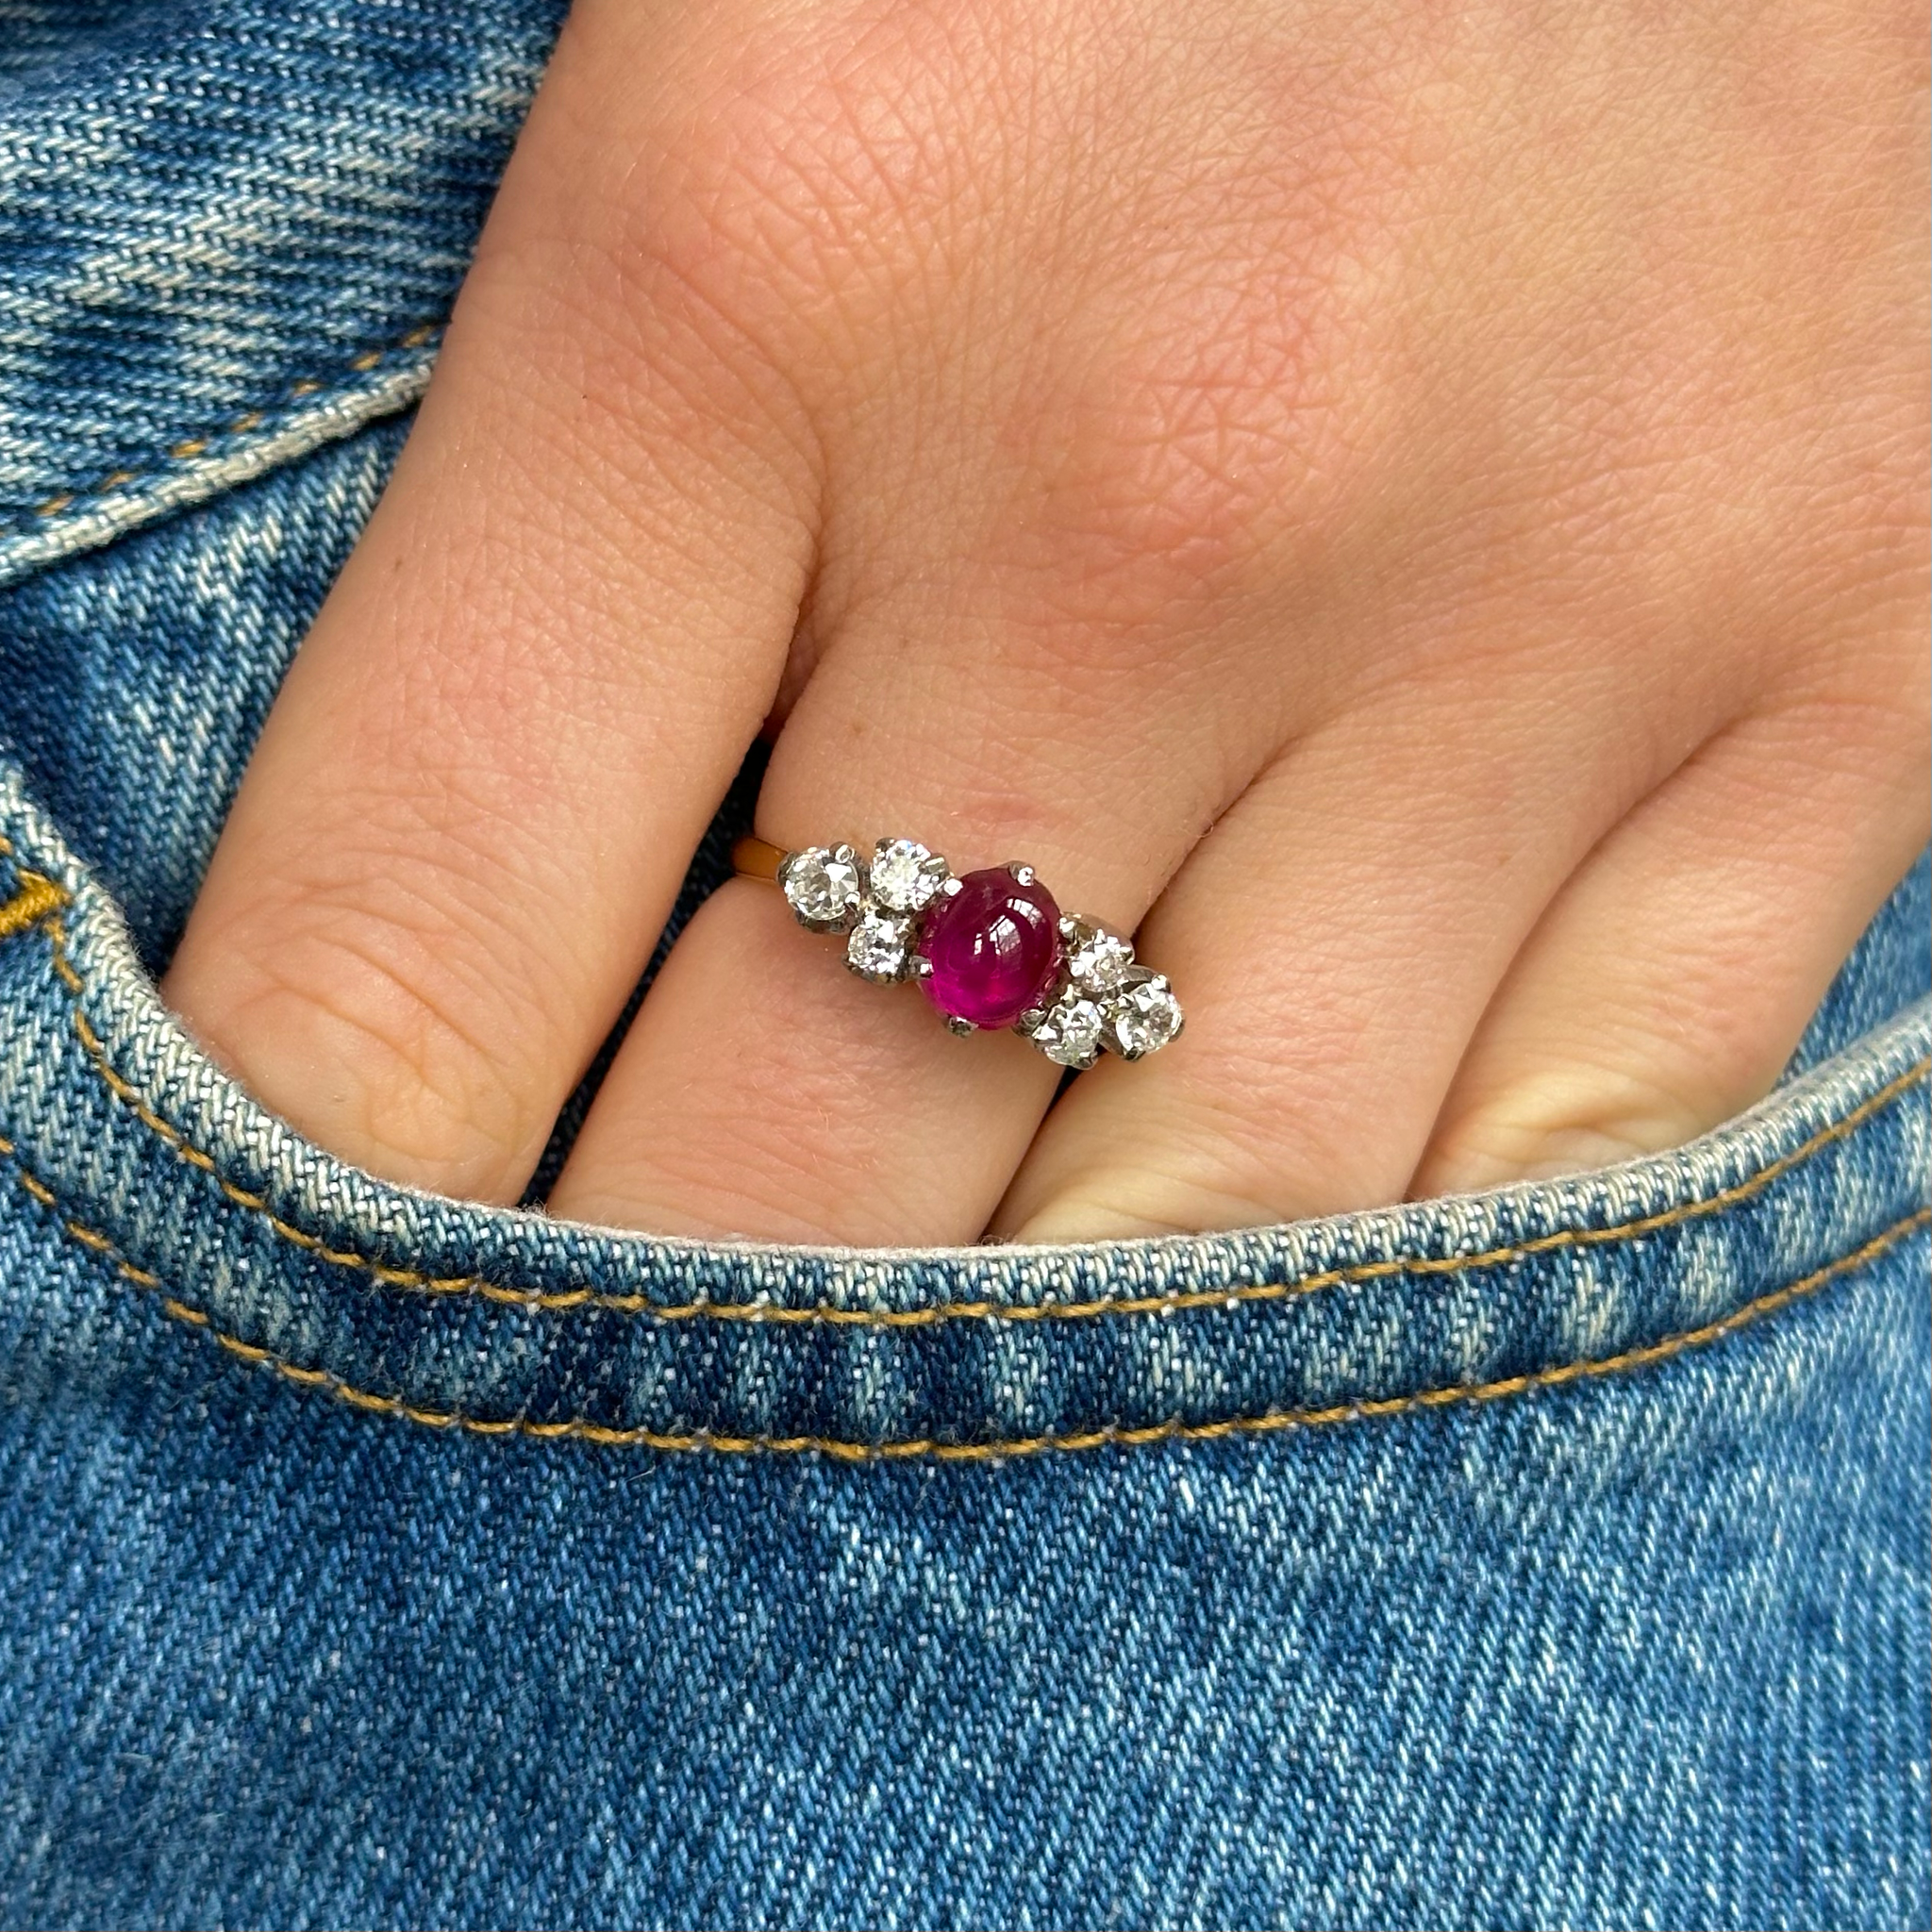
(1418, 509)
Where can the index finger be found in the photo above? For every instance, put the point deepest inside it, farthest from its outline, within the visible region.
(468, 814)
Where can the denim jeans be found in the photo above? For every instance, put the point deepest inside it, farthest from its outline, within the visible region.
(1557, 1555)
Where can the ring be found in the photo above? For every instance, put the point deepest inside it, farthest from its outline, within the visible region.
(990, 950)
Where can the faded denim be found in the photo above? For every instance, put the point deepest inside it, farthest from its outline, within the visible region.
(1558, 1556)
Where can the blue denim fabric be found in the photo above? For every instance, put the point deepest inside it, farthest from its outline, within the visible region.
(1553, 1557)
(229, 230)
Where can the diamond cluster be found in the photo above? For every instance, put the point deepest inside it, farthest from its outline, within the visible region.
(1104, 999)
(1099, 997)
(875, 903)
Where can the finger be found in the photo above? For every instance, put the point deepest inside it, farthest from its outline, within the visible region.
(764, 1091)
(1672, 977)
(1336, 940)
(470, 812)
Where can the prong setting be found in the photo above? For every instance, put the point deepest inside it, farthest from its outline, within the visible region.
(824, 886)
(1100, 963)
(903, 876)
(1096, 996)
(881, 948)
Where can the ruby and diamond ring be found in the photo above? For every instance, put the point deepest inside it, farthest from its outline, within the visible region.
(989, 950)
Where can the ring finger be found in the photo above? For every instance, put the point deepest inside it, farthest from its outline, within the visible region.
(765, 1092)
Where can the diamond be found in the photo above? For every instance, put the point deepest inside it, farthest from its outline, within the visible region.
(1099, 962)
(1069, 1031)
(905, 877)
(1143, 1019)
(823, 887)
(880, 948)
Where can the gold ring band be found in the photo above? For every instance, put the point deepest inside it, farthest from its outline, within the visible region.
(758, 859)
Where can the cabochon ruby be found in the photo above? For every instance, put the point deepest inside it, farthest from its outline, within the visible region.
(994, 945)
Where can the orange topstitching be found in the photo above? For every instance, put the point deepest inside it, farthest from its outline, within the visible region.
(193, 447)
(847, 1449)
(38, 901)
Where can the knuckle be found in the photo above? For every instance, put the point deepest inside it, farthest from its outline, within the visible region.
(1166, 473)
(835, 184)
(813, 161)
(1210, 416)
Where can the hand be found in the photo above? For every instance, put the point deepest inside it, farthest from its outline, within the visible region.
(1419, 510)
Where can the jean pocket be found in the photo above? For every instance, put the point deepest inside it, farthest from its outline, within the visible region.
(130, 1147)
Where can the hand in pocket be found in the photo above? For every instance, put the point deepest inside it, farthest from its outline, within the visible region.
(1417, 514)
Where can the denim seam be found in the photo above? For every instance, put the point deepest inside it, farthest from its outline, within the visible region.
(307, 412)
(845, 1449)
(301, 389)
(40, 899)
